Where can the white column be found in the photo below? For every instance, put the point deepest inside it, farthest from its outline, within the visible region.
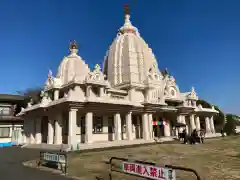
(32, 131)
(150, 124)
(197, 121)
(72, 123)
(38, 135)
(167, 132)
(101, 91)
(212, 124)
(179, 120)
(117, 125)
(184, 122)
(26, 131)
(50, 131)
(89, 127)
(192, 122)
(58, 130)
(56, 94)
(207, 125)
(129, 125)
(145, 122)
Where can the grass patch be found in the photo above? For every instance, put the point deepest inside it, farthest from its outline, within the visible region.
(217, 159)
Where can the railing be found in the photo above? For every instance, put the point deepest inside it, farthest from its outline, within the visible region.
(56, 158)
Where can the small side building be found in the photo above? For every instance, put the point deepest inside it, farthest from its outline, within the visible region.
(10, 125)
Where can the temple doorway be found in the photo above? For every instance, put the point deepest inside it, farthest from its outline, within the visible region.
(110, 128)
(137, 123)
(44, 129)
(158, 131)
(65, 129)
(202, 123)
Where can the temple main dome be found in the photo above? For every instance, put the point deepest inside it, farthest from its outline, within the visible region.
(129, 58)
(72, 67)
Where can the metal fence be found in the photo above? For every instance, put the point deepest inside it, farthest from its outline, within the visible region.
(147, 170)
(56, 158)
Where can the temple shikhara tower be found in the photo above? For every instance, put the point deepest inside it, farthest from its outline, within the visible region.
(128, 100)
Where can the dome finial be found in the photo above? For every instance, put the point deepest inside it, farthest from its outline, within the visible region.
(127, 27)
(126, 10)
(73, 47)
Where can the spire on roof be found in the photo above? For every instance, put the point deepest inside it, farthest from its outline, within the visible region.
(126, 10)
(73, 47)
(128, 27)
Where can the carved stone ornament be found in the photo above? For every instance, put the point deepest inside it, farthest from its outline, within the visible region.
(14, 108)
(97, 68)
(65, 94)
(171, 80)
(96, 74)
(153, 74)
(73, 45)
(200, 106)
(43, 94)
(30, 103)
(193, 93)
(185, 103)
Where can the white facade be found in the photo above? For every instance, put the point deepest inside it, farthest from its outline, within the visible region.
(122, 102)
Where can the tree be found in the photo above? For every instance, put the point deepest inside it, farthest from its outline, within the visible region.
(219, 119)
(31, 93)
(204, 103)
(231, 124)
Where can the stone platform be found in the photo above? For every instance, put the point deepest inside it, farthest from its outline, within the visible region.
(96, 145)
(106, 144)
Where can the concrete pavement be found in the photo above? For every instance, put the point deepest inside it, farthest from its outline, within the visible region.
(11, 167)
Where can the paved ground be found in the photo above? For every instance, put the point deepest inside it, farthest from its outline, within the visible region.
(11, 165)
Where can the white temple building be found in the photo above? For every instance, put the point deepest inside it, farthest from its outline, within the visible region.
(129, 99)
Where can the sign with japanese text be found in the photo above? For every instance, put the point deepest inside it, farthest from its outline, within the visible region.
(148, 171)
(54, 157)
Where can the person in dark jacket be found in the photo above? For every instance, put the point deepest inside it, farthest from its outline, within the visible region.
(184, 133)
(222, 132)
(194, 137)
(202, 135)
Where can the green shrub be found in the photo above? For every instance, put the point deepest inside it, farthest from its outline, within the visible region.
(230, 125)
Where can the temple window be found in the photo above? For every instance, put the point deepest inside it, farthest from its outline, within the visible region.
(5, 111)
(51, 94)
(96, 90)
(110, 125)
(192, 103)
(82, 124)
(97, 124)
(4, 132)
(61, 94)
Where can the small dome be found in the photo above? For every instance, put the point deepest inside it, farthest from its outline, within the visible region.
(129, 58)
(72, 67)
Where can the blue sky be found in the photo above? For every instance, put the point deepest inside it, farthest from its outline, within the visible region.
(198, 41)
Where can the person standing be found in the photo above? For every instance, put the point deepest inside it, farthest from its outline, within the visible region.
(184, 133)
(202, 134)
(222, 132)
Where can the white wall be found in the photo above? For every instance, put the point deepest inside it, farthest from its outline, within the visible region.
(9, 139)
